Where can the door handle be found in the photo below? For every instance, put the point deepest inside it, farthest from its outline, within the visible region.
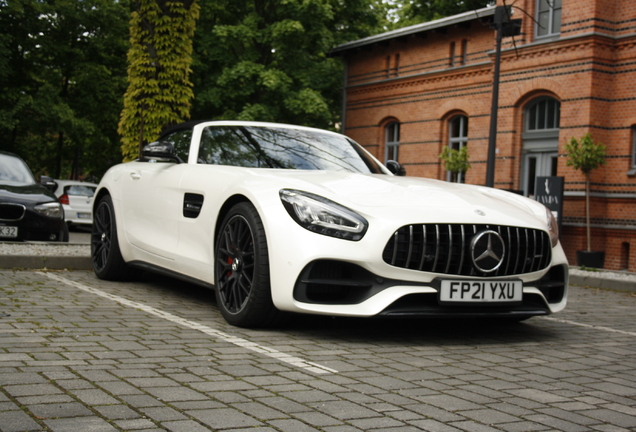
(135, 175)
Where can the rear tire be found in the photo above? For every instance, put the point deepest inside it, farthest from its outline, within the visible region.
(106, 256)
(243, 291)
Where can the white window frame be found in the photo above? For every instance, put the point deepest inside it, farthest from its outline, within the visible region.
(634, 146)
(457, 142)
(632, 171)
(552, 9)
(392, 141)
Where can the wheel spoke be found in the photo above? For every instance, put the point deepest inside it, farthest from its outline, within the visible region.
(235, 264)
(100, 236)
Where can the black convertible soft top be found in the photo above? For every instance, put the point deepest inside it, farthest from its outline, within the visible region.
(179, 127)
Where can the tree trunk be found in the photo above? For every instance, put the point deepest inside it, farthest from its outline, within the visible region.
(587, 211)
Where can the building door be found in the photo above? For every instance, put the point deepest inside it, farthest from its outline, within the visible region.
(540, 141)
(538, 164)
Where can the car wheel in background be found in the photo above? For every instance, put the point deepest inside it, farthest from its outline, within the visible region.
(105, 254)
(243, 292)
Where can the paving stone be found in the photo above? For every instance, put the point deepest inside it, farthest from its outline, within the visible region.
(79, 424)
(18, 421)
(176, 394)
(184, 426)
(163, 414)
(117, 412)
(224, 418)
(64, 410)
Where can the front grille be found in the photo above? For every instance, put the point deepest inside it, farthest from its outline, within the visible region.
(446, 249)
(11, 212)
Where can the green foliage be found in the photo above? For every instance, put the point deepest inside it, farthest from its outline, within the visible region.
(268, 60)
(159, 87)
(585, 155)
(410, 12)
(455, 161)
(62, 73)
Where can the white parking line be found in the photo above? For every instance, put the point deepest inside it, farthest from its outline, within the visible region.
(607, 329)
(270, 352)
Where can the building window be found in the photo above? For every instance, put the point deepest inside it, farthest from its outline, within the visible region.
(548, 18)
(464, 57)
(457, 139)
(392, 141)
(543, 114)
(540, 141)
(634, 146)
(632, 171)
(452, 54)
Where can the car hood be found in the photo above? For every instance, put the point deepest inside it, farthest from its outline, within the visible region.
(418, 199)
(27, 194)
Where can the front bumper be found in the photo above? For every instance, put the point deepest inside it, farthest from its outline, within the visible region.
(335, 285)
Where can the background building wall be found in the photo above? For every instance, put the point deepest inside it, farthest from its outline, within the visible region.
(590, 68)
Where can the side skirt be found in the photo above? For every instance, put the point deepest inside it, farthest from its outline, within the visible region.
(169, 273)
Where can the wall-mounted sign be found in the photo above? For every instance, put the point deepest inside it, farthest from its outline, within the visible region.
(549, 192)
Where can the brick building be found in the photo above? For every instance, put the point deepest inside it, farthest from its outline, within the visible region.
(572, 70)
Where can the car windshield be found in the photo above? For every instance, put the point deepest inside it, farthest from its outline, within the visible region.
(13, 171)
(267, 147)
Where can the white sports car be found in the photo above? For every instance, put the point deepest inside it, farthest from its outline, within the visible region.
(278, 218)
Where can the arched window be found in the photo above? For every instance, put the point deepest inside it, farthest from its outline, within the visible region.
(540, 141)
(543, 113)
(392, 141)
(457, 139)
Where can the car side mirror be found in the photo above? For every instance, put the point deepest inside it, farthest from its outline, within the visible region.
(396, 168)
(48, 183)
(160, 150)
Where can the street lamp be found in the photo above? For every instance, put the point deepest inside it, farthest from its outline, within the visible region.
(504, 27)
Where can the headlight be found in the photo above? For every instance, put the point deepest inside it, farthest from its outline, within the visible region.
(553, 226)
(53, 210)
(323, 216)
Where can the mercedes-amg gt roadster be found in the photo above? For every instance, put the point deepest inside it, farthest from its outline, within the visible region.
(278, 218)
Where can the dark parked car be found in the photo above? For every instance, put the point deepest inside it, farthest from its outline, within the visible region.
(28, 210)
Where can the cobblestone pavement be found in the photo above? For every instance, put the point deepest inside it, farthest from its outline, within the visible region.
(80, 354)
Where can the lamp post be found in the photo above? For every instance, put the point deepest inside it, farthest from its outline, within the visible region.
(504, 26)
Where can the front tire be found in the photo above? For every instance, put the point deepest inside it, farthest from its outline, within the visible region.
(106, 256)
(243, 291)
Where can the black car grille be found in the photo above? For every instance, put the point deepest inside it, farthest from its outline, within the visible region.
(11, 212)
(446, 249)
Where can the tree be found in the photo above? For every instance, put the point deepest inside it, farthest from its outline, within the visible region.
(410, 12)
(585, 155)
(455, 161)
(62, 74)
(268, 60)
(159, 87)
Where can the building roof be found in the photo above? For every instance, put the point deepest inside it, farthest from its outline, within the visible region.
(416, 29)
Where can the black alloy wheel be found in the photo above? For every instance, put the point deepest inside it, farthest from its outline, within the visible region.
(105, 254)
(242, 269)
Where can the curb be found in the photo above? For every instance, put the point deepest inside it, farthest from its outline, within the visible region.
(49, 262)
(596, 281)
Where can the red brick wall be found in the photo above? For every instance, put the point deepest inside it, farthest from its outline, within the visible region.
(589, 68)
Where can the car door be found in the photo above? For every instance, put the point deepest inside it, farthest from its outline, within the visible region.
(152, 202)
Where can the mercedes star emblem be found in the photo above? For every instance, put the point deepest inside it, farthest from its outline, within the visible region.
(487, 251)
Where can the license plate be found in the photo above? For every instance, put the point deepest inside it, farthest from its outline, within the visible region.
(83, 215)
(481, 291)
(8, 231)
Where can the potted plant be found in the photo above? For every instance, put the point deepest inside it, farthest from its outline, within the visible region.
(585, 155)
(455, 161)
